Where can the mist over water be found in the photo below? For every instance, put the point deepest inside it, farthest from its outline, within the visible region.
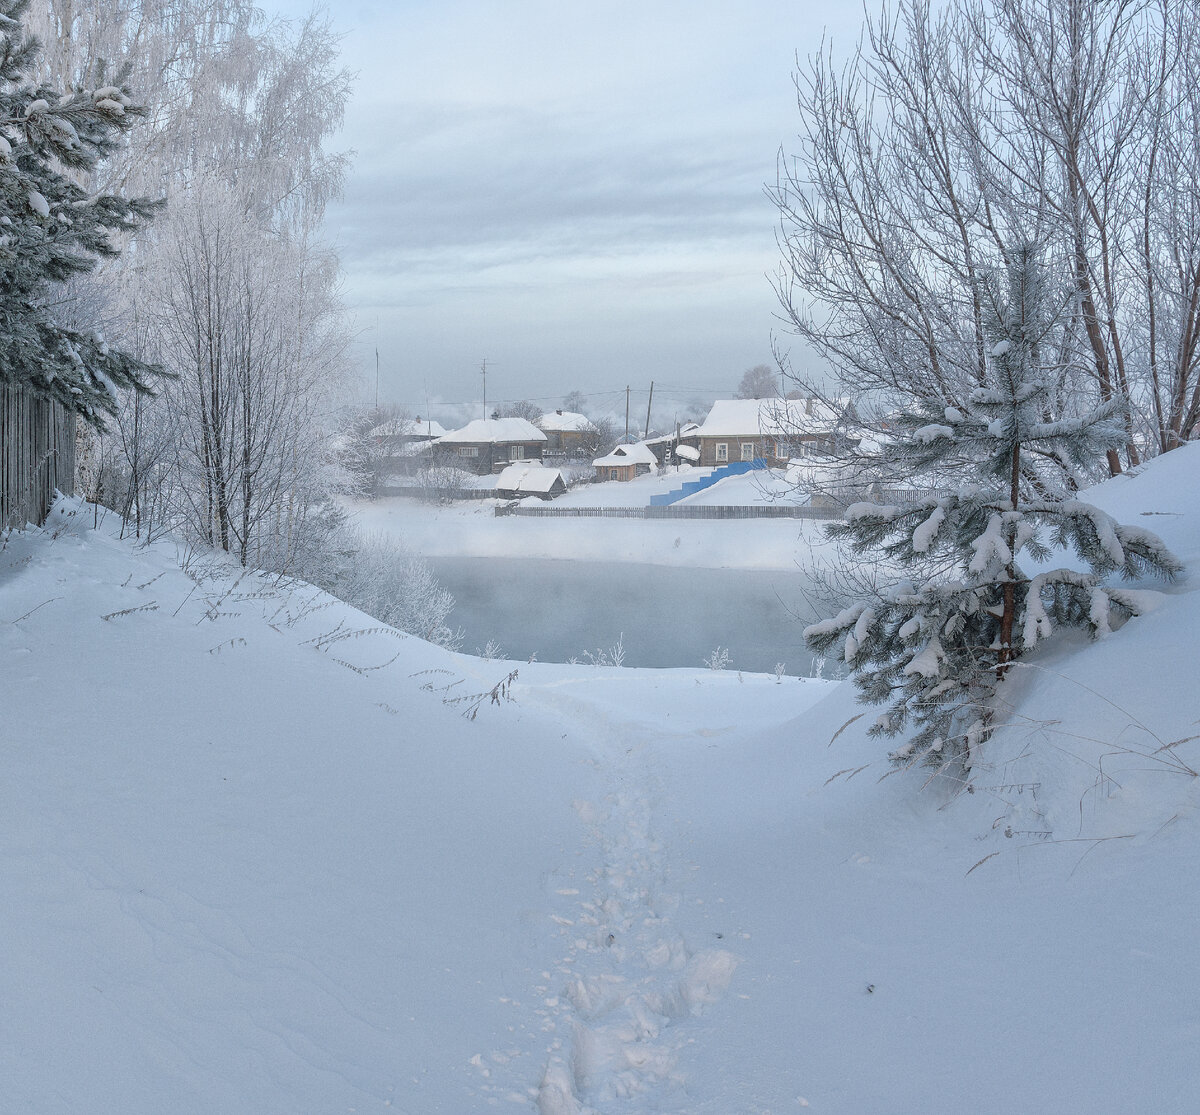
(664, 616)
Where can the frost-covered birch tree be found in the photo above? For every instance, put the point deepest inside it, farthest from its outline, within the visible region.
(935, 646)
(225, 90)
(234, 293)
(246, 322)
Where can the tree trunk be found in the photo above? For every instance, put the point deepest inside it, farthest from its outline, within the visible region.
(1009, 616)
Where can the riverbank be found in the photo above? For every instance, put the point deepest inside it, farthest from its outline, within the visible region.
(474, 530)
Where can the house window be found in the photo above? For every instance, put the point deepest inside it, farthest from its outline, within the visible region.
(722, 451)
(614, 474)
(516, 452)
(468, 450)
(747, 450)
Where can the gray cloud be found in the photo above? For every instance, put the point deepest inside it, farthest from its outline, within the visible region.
(485, 179)
(574, 191)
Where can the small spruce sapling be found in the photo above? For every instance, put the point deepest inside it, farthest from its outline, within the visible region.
(935, 647)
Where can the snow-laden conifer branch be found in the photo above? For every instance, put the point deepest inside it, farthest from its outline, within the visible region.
(52, 229)
(935, 648)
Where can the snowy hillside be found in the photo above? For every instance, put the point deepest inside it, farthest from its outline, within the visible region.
(256, 859)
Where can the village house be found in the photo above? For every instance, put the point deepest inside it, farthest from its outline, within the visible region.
(566, 431)
(404, 431)
(625, 462)
(666, 447)
(533, 479)
(489, 445)
(402, 445)
(769, 430)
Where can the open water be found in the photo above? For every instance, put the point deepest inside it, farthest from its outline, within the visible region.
(663, 616)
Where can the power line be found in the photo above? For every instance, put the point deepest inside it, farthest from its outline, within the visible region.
(616, 395)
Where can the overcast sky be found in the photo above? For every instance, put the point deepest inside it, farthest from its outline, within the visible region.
(572, 190)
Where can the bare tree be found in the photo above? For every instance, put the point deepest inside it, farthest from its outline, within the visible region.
(233, 292)
(227, 90)
(597, 439)
(246, 321)
(523, 408)
(372, 441)
(948, 141)
(759, 382)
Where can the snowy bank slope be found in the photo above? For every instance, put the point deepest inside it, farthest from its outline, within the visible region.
(243, 875)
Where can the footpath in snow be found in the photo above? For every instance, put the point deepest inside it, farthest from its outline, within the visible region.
(257, 859)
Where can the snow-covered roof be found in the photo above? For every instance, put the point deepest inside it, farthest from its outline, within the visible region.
(637, 454)
(773, 417)
(687, 452)
(484, 430)
(427, 427)
(686, 430)
(528, 478)
(408, 427)
(558, 421)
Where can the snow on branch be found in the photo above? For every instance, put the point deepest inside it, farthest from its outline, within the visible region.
(878, 512)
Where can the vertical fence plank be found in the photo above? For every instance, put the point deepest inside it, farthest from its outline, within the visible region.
(37, 455)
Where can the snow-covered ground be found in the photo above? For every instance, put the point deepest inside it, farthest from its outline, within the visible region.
(630, 493)
(256, 859)
(761, 486)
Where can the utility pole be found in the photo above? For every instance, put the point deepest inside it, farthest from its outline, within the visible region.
(627, 413)
(648, 402)
(377, 336)
(483, 369)
(428, 421)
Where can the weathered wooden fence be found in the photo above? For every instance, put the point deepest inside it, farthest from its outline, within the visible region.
(675, 511)
(434, 493)
(37, 455)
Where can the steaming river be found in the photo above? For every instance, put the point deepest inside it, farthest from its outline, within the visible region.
(668, 616)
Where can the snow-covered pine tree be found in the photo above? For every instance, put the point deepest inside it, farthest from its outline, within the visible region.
(51, 228)
(935, 647)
